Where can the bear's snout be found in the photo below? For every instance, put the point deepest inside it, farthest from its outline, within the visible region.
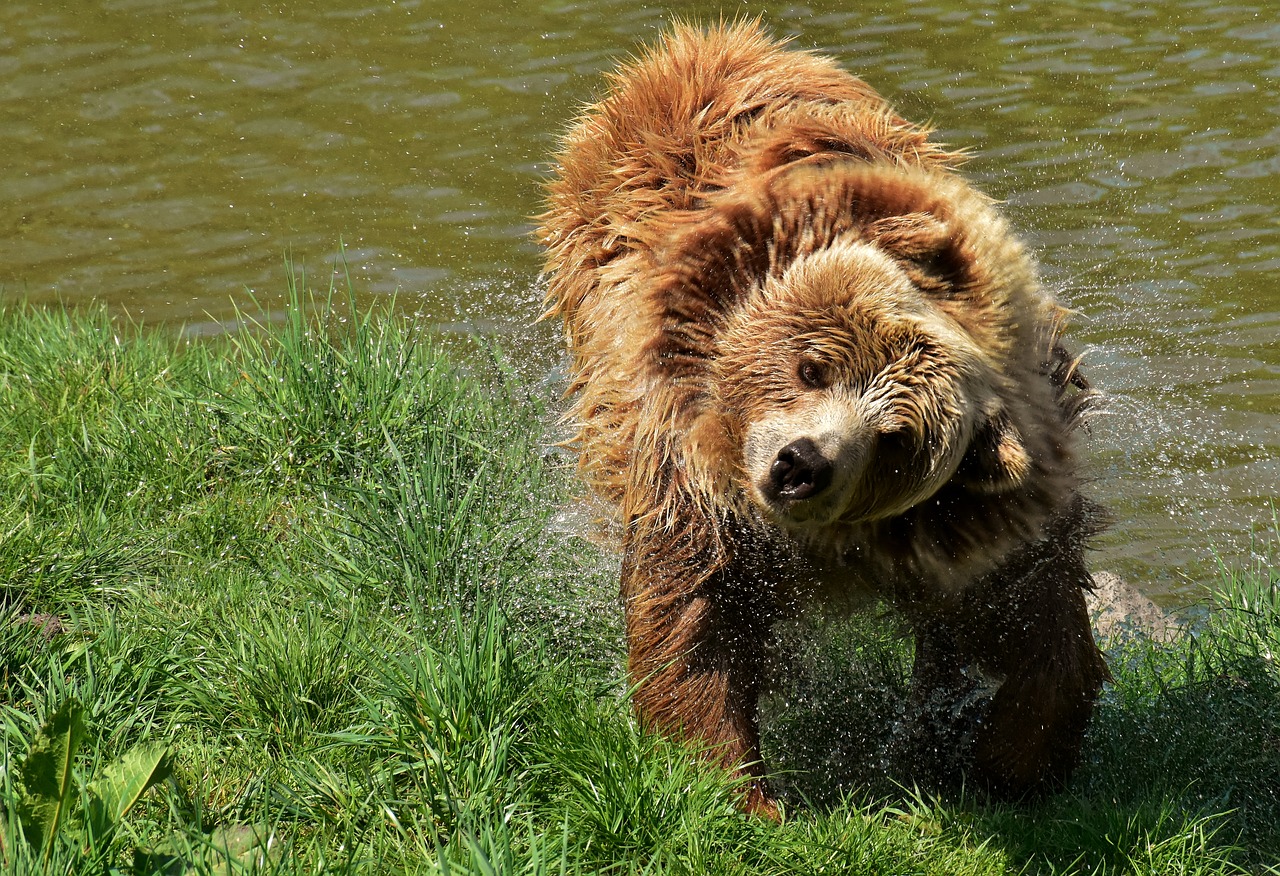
(799, 471)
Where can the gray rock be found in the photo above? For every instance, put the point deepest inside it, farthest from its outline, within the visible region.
(1118, 609)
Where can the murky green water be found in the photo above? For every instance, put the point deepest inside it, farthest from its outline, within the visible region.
(163, 156)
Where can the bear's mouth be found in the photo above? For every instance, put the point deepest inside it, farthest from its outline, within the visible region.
(799, 472)
(807, 485)
(811, 484)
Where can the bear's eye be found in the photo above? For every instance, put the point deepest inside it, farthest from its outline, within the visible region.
(812, 374)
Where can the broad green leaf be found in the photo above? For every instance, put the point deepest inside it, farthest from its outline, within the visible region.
(125, 781)
(245, 844)
(44, 779)
(239, 848)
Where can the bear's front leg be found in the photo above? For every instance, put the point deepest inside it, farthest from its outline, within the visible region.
(696, 648)
(1039, 639)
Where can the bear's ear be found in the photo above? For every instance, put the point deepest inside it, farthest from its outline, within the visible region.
(997, 459)
(925, 246)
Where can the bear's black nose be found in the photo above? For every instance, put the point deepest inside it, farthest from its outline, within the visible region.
(800, 471)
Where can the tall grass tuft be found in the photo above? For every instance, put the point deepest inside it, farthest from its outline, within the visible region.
(1203, 718)
(318, 394)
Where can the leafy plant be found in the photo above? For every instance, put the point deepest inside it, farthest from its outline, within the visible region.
(45, 789)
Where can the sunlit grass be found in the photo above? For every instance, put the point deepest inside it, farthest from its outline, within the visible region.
(316, 562)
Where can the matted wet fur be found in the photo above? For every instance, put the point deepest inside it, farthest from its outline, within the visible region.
(811, 363)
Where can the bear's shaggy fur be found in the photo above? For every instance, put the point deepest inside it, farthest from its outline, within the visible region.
(809, 362)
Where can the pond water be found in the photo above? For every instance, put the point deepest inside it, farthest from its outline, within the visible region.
(165, 156)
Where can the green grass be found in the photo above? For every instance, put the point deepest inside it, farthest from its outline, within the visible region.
(317, 563)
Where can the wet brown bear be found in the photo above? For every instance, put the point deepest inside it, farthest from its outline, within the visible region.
(810, 361)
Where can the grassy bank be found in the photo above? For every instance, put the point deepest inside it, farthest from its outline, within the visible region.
(299, 601)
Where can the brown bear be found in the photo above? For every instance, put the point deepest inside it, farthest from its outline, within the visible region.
(810, 362)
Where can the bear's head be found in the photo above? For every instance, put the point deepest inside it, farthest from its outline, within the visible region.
(871, 330)
(853, 396)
